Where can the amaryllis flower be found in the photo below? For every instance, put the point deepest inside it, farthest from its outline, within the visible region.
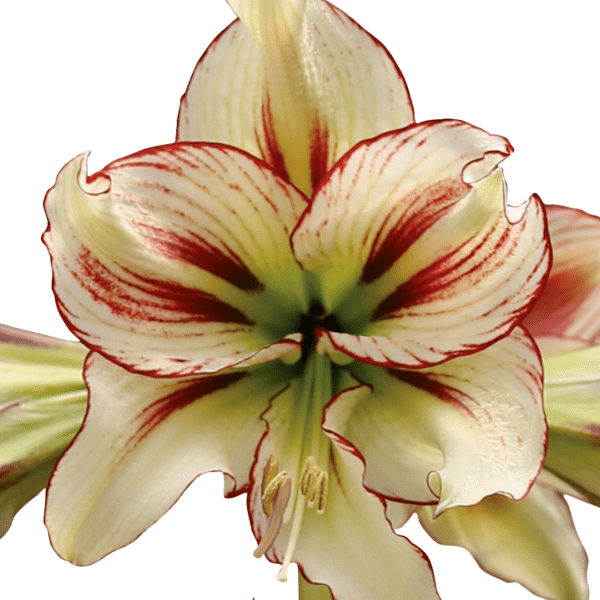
(42, 403)
(534, 541)
(330, 322)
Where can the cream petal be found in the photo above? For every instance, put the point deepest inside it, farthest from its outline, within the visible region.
(351, 547)
(297, 84)
(176, 260)
(532, 541)
(416, 264)
(450, 434)
(144, 440)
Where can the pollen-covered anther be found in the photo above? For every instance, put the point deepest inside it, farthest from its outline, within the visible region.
(269, 472)
(280, 488)
(314, 484)
(271, 491)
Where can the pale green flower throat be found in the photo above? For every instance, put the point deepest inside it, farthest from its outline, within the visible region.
(285, 494)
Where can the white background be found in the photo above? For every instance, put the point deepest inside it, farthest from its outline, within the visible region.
(107, 76)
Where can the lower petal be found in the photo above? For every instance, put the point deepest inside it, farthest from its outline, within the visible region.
(350, 547)
(450, 434)
(143, 442)
(532, 541)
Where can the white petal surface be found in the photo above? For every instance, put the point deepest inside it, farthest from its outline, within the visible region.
(176, 260)
(453, 433)
(351, 547)
(570, 303)
(414, 245)
(295, 83)
(532, 541)
(143, 442)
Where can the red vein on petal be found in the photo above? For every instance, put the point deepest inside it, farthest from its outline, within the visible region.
(157, 412)
(435, 200)
(157, 296)
(196, 251)
(270, 150)
(319, 152)
(430, 385)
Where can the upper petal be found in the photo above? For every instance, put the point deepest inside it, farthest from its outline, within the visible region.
(351, 547)
(176, 260)
(144, 440)
(297, 83)
(453, 433)
(416, 248)
(570, 303)
(532, 541)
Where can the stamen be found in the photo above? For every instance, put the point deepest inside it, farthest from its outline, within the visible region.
(322, 493)
(282, 497)
(271, 492)
(310, 466)
(314, 484)
(269, 473)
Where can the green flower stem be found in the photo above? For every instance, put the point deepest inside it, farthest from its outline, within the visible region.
(309, 591)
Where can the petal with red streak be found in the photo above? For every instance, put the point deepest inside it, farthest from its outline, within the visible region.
(176, 260)
(144, 440)
(295, 83)
(450, 434)
(570, 303)
(420, 257)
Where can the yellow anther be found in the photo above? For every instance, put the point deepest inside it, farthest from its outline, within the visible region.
(314, 484)
(272, 490)
(321, 500)
(308, 473)
(269, 473)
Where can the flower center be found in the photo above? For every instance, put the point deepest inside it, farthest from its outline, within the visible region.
(317, 318)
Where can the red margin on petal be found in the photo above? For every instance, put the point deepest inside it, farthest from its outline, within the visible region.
(232, 494)
(349, 447)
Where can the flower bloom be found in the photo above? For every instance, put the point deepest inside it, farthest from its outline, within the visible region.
(320, 299)
(42, 403)
(534, 541)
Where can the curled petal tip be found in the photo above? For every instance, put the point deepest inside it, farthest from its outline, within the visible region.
(479, 169)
